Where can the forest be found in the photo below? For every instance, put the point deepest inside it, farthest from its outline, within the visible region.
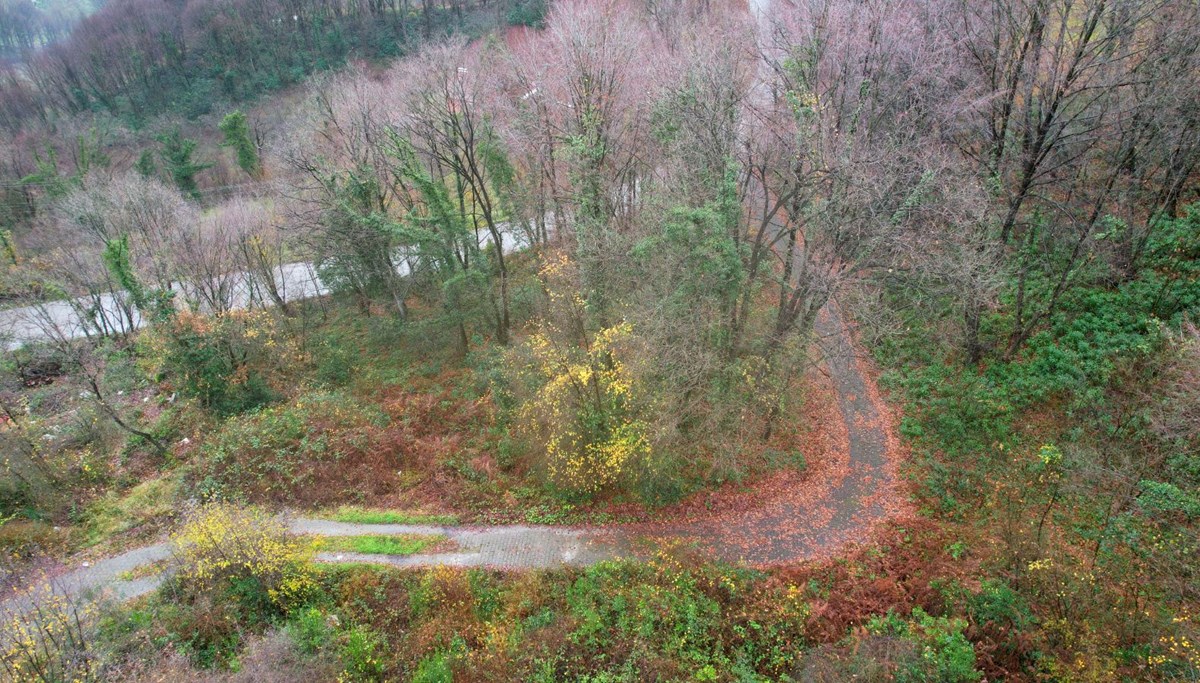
(599, 340)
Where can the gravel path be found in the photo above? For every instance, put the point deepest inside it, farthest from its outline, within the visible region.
(510, 547)
(507, 547)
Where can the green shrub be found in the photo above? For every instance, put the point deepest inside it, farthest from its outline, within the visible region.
(334, 363)
(207, 629)
(223, 361)
(1161, 498)
(998, 603)
(527, 13)
(943, 653)
(611, 602)
(360, 655)
(434, 669)
(309, 630)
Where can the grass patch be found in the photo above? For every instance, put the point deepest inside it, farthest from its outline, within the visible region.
(408, 544)
(356, 515)
(112, 514)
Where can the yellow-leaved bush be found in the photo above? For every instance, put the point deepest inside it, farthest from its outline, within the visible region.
(46, 636)
(222, 544)
(584, 413)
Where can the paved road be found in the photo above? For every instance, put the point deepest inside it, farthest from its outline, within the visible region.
(83, 316)
(78, 318)
(509, 547)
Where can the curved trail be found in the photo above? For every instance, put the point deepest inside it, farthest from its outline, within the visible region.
(853, 495)
(799, 524)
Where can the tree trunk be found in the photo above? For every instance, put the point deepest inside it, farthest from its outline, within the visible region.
(971, 322)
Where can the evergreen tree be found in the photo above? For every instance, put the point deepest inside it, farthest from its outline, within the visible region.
(237, 135)
(176, 154)
(154, 304)
(145, 165)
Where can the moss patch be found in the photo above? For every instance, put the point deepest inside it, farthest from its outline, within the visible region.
(357, 515)
(378, 544)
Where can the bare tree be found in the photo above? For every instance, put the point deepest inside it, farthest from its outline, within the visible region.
(1081, 113)
(145, 214)
(523, 119)
(259, 250)
(88, 359)
(206, 261)
(847, 154)
(444, 120)
(581, 93)
(1176, 415)
(347, 189)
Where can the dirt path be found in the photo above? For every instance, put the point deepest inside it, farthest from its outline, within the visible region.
(850, 490)
(848, 493)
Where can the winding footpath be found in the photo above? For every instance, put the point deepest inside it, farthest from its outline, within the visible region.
(839, 504)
